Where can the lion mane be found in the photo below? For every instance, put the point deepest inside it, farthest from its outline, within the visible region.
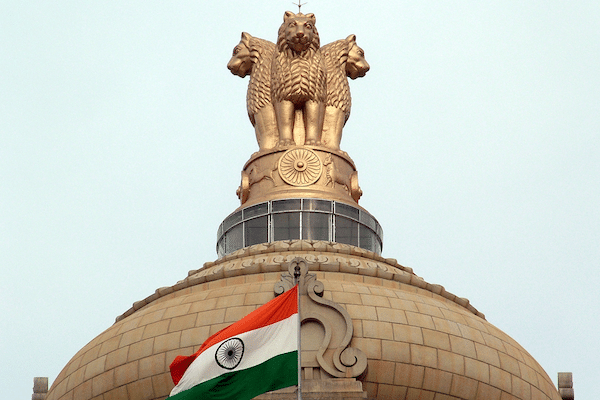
(298, 76)
(338, 89)
(343, 59)
(253, 56)
(259, 87)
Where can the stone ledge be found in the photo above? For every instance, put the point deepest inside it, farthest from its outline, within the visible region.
(320, 389)
(320, 255)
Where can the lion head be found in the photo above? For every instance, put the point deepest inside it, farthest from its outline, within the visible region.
(241, 60)
(298, 33)
(356, 66)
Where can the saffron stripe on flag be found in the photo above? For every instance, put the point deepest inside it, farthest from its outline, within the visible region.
(273, 311)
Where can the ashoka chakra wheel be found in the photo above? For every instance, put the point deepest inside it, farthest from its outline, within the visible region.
(300, 167)
(229, 354)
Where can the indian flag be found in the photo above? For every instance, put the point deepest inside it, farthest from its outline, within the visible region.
(257, 354)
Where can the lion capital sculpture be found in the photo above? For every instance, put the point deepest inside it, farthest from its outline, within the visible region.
(298, 92)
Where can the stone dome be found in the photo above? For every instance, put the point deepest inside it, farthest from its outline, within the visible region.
(420, 341)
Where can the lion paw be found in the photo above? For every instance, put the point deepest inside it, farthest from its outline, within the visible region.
(287, 142)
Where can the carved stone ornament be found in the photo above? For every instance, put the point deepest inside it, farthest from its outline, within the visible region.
(326, 327)
(243, 190)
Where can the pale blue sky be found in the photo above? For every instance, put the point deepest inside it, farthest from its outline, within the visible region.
(122, 135)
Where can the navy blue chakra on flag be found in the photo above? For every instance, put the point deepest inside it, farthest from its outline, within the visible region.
(230, 352)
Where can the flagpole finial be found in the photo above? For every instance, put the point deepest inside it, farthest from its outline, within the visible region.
(297, 269)
(297, 272)
(299, 4)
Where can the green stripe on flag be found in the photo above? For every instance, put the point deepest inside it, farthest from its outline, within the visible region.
(276, 373)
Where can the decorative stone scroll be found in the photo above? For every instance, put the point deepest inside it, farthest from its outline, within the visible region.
(326, 328)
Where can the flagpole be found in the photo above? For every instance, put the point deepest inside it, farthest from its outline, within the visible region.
(299, 336)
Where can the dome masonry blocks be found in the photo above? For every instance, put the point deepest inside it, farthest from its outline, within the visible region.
(421, 342)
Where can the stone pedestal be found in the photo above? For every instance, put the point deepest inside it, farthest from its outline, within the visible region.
(40, 388)
(322, 389)
(299, 172)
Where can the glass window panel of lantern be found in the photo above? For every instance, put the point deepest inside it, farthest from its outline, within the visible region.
(220, 231)
(234, 239)
(256, 231)
(368, 220)
(315, 226)
(254, 211)
(377, 247)
(366, 238)
(346, 231)
(316, 205)
(221, 248)
(286, 226)
(286, 205)
(346, 210)
(232, 220)
(379, 232)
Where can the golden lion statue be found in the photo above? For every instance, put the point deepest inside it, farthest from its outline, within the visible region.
(298, 79)
(343, 59)
(253, 56)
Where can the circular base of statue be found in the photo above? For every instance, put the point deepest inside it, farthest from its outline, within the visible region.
(299, 171)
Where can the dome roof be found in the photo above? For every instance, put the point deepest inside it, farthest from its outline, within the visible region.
(419, 340)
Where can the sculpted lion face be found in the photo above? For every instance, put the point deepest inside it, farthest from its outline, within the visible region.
(300, 30)
(241, 61)
(356, 66)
